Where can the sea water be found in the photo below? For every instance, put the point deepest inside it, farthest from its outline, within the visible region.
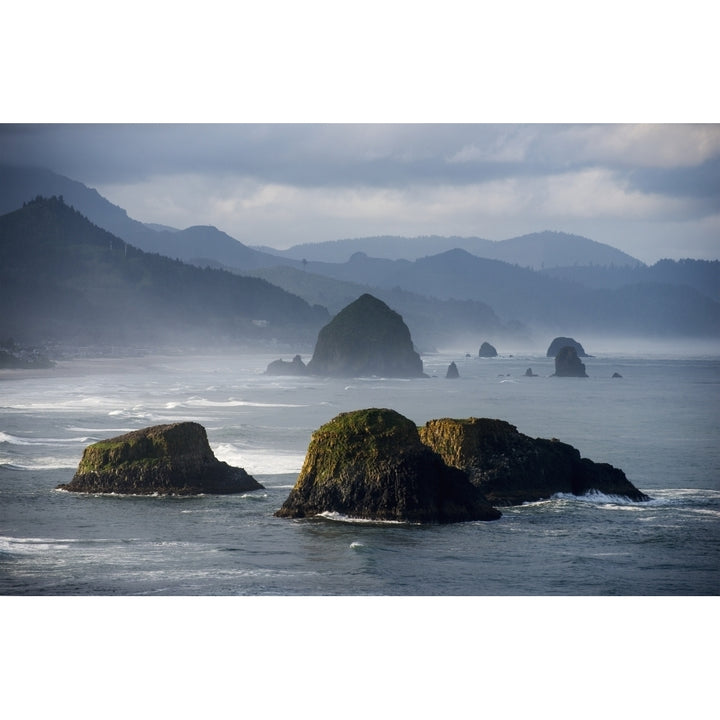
(658, 423)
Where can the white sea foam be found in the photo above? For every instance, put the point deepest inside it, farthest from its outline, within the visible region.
(340, 517)
(597, 498)
(256, 461)
(14, 440)
(44, 463)
(204, 403)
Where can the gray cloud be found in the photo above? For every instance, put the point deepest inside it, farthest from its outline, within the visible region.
(285, 183)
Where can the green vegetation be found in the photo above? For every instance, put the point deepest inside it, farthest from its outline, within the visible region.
(64, 279)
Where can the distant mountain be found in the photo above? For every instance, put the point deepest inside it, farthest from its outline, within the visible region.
(433, 323)
(200, 245)
(530, 298)
(537, 250)
(63, 279)
(701, 275)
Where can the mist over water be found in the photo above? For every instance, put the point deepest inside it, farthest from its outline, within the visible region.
(658, 423)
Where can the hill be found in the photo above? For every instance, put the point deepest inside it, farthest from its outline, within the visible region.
(199, 245)
(63, 279)
(701, 275)
(536, 250)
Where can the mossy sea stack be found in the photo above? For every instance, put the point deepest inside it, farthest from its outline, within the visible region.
(511, 468)
(171, 459)
(366, 338)
(370, 464)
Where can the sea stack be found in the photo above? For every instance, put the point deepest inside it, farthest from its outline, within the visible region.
(171, 459)
(511, 468)
(452, 371)
(567, 363)
(370, 464)
(366, 338)
(560, 342)
(487, 351)
(282, 367)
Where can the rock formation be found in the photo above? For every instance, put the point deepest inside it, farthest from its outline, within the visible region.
(511, 468)
(560, 342)
(366, 338)
(163, 459)
(567, 363)
(487, 350)
(371, 464)
(530, 373)
(616, 375)
(452, 371)
(283, 367)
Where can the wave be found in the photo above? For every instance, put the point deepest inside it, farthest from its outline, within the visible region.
(595, 497)
(155, 495)
(14, 440)
(203, 402)
(40, 545)
(339, 517)
(43, 464)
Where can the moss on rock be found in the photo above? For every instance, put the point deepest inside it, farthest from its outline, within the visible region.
(371, 464)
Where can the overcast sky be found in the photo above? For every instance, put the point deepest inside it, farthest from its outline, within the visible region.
(650, 190)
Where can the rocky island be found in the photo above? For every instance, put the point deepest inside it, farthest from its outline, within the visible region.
(283, 367)
(567, 363)
(171, 459)
(366, 338)
(511, 468)
(371, 464)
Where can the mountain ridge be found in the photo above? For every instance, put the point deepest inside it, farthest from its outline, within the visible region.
(536, 250)
(64, 279)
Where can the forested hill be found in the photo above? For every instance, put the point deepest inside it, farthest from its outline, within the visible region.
(63, 279)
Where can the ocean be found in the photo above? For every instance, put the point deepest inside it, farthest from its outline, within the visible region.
(659, 422)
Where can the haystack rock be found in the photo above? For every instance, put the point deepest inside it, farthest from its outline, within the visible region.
(560, 342)
(567, 364)
(366, 338)
(487, 350)
(370, 464)
(511, 468)
(171, 459)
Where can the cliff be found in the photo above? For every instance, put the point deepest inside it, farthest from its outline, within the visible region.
(163, 459)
